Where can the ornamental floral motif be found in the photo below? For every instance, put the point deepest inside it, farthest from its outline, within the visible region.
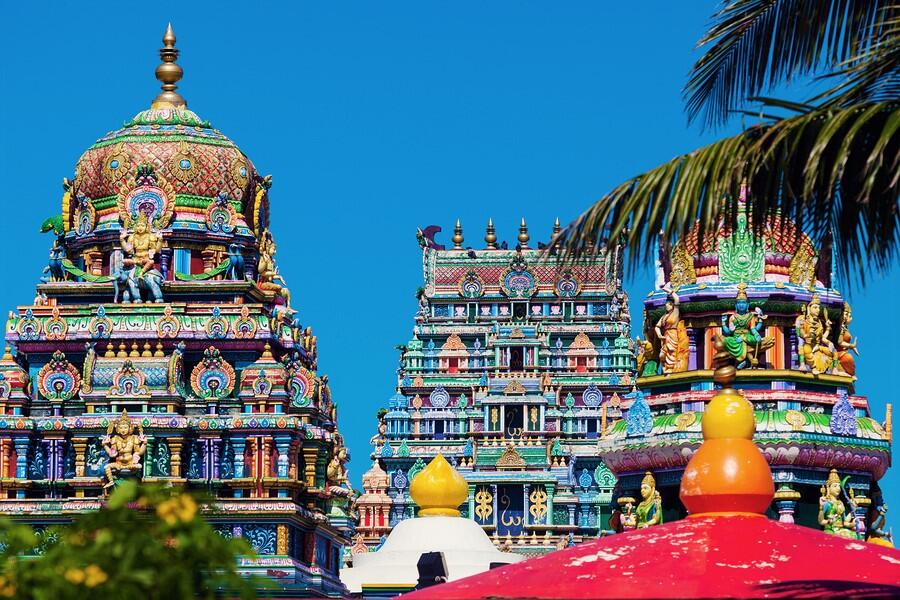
(28, 327)
(240, 175)
(58, 380)
(262, 386)
(56, 327)
(568, 285)
(592, 396)
(439, 397)
(518, 281)
(183, 164)
(100, 326)
(128, 382)
(117, 164)
(85, 215)
(220, 216)
(843, 416)
(213, 378)
(217, 325)
(147, 198)
(638, 421)
(300, 384)
(471, 285)
(167, 326)
(245, 325)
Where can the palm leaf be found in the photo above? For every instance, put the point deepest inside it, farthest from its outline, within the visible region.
(754, 45)
(835, 171)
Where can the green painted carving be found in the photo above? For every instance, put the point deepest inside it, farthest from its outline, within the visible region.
(741, 255)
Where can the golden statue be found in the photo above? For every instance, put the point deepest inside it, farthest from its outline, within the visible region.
(336, 472)
(649, 509)
(815, 350)
(674, 350)
(123, 447)
(140, 245)
(846, 344)
(267, 273)
(833, 516)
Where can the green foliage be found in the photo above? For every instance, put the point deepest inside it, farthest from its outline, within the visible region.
(832, 164)
(146, 542)
(54, 224)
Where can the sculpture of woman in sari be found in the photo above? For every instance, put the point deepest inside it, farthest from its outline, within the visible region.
(833, 516)
(649, 509)
(673, 340)
(813, 328)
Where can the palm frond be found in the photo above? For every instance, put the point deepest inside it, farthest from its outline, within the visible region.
(757, 44)
(831, 170)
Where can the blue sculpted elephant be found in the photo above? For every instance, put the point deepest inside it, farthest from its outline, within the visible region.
(129, 284)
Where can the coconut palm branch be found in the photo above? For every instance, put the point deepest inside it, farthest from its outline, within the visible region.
(832, 164)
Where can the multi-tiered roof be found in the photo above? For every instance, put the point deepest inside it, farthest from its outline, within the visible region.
(515, 367)
(162, 298)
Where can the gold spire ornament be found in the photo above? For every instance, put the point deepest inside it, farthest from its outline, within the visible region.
(457, 236)
(169, 73)
(439, 489)
(490, 237)
(556, 227)
(523, 234)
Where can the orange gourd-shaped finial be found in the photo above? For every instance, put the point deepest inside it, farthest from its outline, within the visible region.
(728, 474)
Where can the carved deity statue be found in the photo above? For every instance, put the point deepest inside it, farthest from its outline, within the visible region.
(674, 350)
(646, 365)
(123, 447)
(742, 332)
(815, 350)
(336, 472)
(140, 245)
(833, 516)
(267, 273)
(846, 344)
(649, 509)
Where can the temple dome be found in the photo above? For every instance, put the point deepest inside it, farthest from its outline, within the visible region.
(172, 165)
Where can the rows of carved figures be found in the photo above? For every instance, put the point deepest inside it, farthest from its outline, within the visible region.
(667, 349)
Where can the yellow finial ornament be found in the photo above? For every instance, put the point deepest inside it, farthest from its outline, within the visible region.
(523, 234)
(490, 237)
(439, 489)
(169, 73)
(457, 236)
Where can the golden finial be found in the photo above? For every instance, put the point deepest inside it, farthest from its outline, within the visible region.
(439, 489)
(457, 236)
(490, 237)
(556, 227)
(169, 73)
(7, 353)
(523, 234)
(267, 351)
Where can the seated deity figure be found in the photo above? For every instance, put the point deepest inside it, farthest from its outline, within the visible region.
(815, 350)
(742, 332)
(674, 348)
(833, 516)
(123, 447)
(140, 245)
(649, 509)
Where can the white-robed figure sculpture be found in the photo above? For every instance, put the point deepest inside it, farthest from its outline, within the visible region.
(438, 490)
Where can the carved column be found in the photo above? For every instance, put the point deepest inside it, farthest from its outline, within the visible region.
(80, 445)
(239, 444)
(693, 359)
(254, 459)
(93, 260)
(310, 454)
(281, 544)
(786, 502)
(551, 491)
(175, 444)
(21, 457)
(283, 445)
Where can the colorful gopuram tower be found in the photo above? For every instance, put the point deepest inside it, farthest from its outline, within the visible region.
(515, 367)
(765, 303)
(162, 298)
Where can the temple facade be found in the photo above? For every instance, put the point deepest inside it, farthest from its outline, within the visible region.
(161, 344)
(764, 303)
(516, 365)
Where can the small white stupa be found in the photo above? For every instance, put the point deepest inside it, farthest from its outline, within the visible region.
(438, 490)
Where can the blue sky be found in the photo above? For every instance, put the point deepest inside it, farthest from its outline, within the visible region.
(376, 118)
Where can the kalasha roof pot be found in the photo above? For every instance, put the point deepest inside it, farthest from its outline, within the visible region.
(725, 548)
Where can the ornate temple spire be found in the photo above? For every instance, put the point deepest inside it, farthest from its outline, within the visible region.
(457, 236)
(523, 234)
(490, 237)
(169, 73)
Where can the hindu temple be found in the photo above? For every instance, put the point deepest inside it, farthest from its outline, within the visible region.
(516, 365)
(162, 344)
(764, 300)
